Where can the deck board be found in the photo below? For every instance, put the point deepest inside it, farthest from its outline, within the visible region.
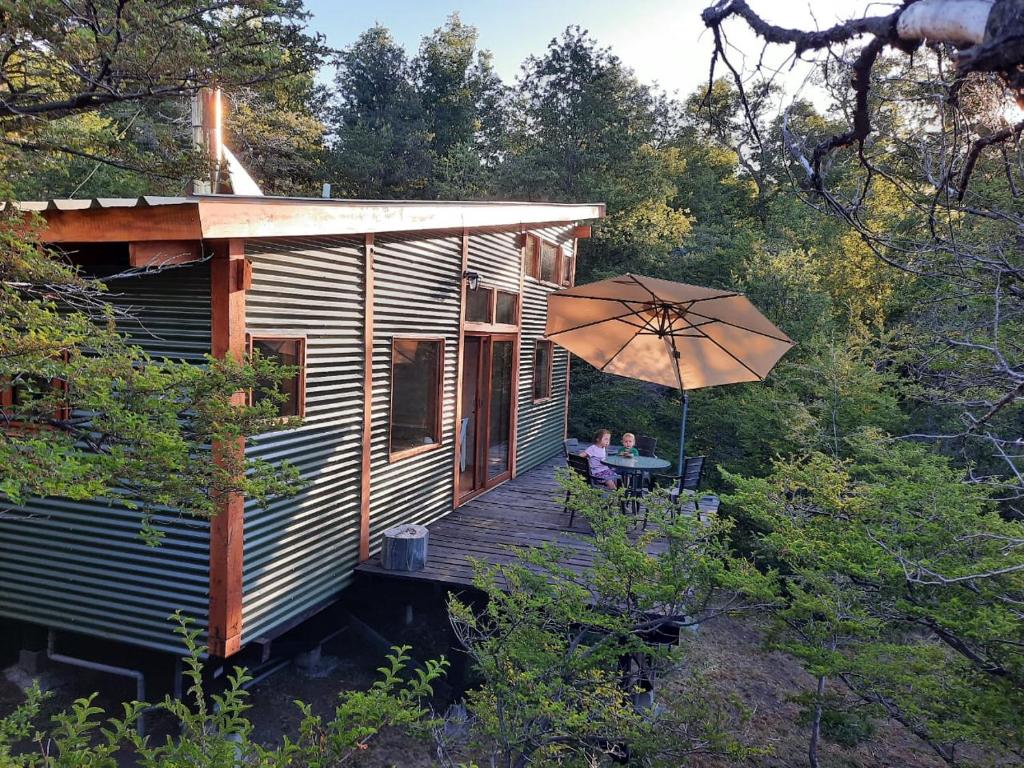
(524, 512)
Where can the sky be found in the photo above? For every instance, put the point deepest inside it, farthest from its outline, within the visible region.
(663, 41)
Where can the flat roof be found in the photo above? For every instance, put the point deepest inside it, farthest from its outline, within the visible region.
(236, 216)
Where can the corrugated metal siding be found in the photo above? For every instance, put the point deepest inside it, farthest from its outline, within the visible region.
(300, 551)
(496, 258)
(417, 289)
(81, 565)
(541, 425)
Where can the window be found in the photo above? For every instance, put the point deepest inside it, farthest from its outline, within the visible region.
(567, 262)
(531, 259)
(417, 367)
(542, 370)
(489, 306)
(505, 308)
(38, 398)
(478, 305)
(549, 254)
(287, 352)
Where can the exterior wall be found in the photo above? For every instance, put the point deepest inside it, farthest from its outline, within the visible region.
(417, 290)
(80, 565)
(300, 551)
(541, 426)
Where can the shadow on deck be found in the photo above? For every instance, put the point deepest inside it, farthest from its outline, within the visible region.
(524, 512)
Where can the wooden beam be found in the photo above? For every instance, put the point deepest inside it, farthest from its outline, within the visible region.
(458, 370)
(514, 427)
(227, 315)
(365, 476)
(159, 253)
(568, 361)
(582, 231)
(127, 224)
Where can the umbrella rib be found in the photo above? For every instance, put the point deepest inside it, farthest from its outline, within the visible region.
(730, 354)
(654, 296)
(592, 323)
(741, 327)
(617, 353)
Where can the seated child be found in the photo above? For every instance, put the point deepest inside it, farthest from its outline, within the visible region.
(595, 453)
(628, 445)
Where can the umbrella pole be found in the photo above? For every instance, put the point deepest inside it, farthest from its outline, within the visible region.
(682, 435)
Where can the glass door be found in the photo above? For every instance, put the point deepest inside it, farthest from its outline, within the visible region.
(488, 388)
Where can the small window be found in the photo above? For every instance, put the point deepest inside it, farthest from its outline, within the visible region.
(531, 259)
(549, 254)
(289, 352)
(417, 367)
(31, 392)
(478, 305)
(505, 308)
(542, 370)
(567, 264)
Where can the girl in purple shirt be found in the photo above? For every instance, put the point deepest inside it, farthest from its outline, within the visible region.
(596, 453)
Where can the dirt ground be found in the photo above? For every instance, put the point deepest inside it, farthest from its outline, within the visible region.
(730, 650)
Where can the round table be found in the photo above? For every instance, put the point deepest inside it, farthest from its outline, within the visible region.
(633, 468)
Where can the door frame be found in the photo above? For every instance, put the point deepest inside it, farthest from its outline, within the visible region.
(484, 391)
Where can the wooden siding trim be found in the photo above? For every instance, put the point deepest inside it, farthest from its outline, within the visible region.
(365, 475)
(227, 318)
(517, 353)
(551, 360)
(458, 372)
(568, 362)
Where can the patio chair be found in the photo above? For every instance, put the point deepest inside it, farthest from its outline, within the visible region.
(689, 481)
(581, 466)
(571, 446)
(645, 445)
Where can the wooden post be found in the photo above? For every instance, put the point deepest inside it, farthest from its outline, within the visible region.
(517, 362)
(227, 316)
(458, 370)
(367, 435)
(568, 356)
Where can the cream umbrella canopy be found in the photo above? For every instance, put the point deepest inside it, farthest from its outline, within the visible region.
(668, 333)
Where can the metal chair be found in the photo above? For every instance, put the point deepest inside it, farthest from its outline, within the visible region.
(645, 445)
(581, 466)
(693, 473)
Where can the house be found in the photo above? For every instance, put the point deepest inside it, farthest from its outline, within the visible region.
(424, 380)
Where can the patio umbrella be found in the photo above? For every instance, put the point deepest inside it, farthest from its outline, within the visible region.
(668, 333)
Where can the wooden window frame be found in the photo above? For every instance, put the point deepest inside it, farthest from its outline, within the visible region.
(490, 326)
(532, 259)
(565, 262)
(62, 413)
(416, 450)
(253, 336)
(551, 360)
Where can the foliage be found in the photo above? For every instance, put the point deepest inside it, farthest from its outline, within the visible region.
(93, 415)
(214, 731)
(566, 653)
(901, 582)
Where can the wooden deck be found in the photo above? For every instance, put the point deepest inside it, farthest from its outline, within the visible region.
(524, 512)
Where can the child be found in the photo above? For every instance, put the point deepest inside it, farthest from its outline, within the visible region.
(628, 445)
(596, 453)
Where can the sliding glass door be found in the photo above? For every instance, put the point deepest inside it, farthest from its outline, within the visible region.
(488, 389)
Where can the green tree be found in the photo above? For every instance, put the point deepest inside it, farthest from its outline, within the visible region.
(900, 583)
(380, 132)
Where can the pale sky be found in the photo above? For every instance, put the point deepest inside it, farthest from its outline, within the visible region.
(663, 41)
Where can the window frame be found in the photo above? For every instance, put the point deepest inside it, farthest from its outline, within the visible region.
(532, 259)
(61, 413)
(491, 325)
(254, 336)
(416, 450)
(550, 370)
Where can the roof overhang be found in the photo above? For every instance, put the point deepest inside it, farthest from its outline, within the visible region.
(232, 216)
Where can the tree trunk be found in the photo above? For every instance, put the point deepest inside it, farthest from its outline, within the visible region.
(404, 548)
(812, 750)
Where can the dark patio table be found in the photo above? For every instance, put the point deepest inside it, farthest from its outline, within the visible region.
(633, 468)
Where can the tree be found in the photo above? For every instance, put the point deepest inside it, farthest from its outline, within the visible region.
(135, 64)
(923, 174)
(380, 134)
(568, 655)
(901, 583)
